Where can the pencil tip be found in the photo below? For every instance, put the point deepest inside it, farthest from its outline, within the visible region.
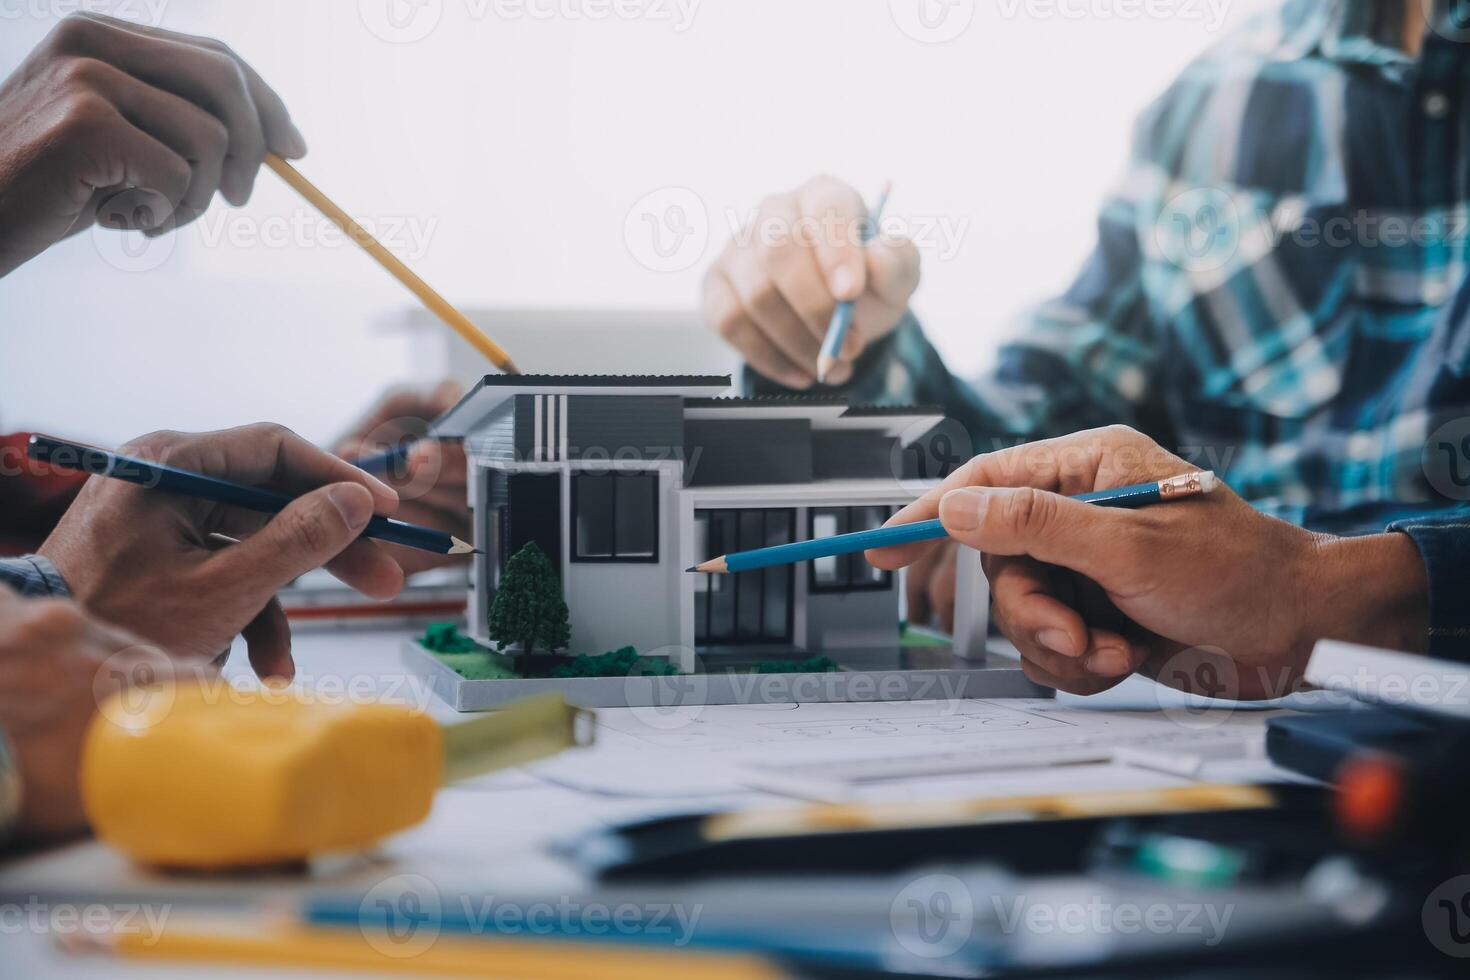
(691, 568)
(825, 364)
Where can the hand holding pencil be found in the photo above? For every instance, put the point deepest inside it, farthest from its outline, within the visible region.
(773, 293)
(1092, 594)
(151, 561)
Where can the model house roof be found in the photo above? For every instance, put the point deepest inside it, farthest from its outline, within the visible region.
(699, 391)
(495, 389)
(826, 413)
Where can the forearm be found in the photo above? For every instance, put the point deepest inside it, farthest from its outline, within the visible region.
(1372, 590)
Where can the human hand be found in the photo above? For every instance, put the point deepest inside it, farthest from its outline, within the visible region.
(929, 587)
(1206, 591)
(145, 560)
(432, 482)
(56, 665)
(130, 126)
(772, 297)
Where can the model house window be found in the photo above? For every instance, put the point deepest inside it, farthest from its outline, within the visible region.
(615, 517)
(750, 607)
(846, 573)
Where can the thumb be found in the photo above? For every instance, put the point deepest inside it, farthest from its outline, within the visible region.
(313, 530)
(1046, 526)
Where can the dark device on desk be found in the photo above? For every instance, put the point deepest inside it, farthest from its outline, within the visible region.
(1051, 833)
(1318, 745)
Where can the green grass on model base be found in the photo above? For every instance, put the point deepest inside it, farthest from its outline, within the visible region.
(482, 666)
(475, 662)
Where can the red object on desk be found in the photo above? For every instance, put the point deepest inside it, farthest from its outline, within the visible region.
(33, 496)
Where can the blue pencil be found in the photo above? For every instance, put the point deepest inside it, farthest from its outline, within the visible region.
(156, 476)
(841, 320)
(1139, 495)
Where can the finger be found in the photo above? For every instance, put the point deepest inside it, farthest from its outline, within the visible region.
(143, 180)
(728, 317)
(1110, 654)
(1094, 541)
(315, 529)
(193, 134)
(838, 212)
(211, 80)
(1112, 456)
(789, 261)
(768, 309)
(1069, 684)
(268, 640)
(1023, 598)
(370, 567)
(265, 455)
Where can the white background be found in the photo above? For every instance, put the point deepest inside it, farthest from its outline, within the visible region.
(509, 144)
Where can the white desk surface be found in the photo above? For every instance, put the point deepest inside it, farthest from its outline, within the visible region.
(492, 832)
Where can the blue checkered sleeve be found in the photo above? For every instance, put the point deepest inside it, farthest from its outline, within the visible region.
(33, 577)
(1444, 543)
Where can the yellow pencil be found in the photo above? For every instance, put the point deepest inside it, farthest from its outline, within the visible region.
(441, 307)
(257, 944)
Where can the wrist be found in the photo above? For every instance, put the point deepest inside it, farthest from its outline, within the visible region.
(1372, 590)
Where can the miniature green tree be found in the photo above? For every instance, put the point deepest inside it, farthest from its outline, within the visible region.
(529, 608)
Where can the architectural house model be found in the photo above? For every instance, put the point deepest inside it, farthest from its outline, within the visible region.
(626, 481)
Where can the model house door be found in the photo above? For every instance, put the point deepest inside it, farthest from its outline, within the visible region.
(750, 607)
(532, 513)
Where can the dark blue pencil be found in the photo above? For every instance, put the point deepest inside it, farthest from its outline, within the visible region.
(156, 476)
(1139, 495)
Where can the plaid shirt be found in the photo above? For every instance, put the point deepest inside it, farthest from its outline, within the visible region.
(1278, 291)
